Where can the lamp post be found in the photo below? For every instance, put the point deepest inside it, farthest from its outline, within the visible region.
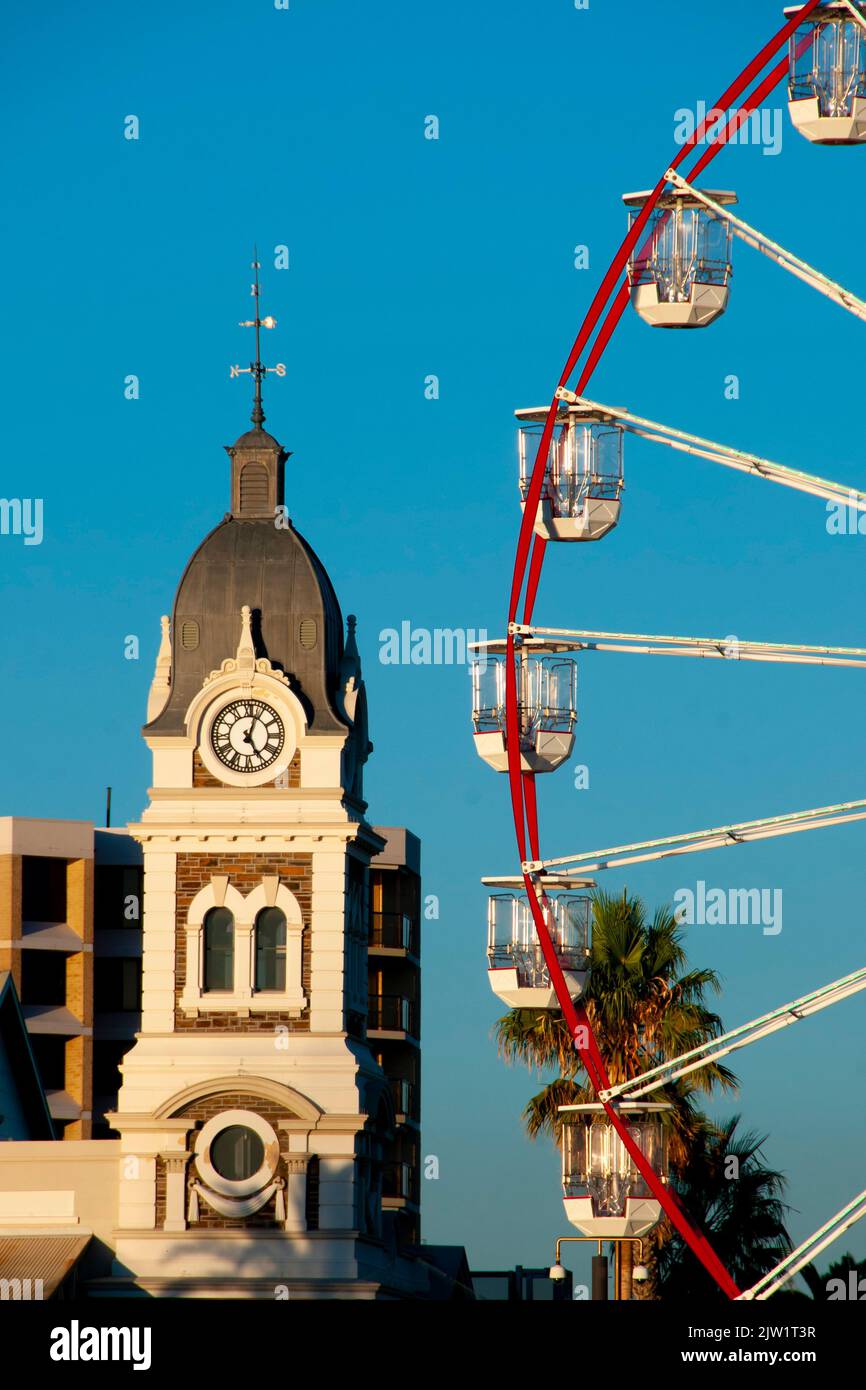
(600, 1264)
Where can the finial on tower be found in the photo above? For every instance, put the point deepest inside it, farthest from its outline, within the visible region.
(256, 369)
(246, 653)
(160, 686)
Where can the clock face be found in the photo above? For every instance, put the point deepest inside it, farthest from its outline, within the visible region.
(247, 736)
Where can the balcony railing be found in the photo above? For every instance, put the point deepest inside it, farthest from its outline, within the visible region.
(403, 1093)
(391, 1013)
(394, 930)
(397, 1181)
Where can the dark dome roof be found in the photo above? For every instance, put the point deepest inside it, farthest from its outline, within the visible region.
(257, 439)
(279, 575)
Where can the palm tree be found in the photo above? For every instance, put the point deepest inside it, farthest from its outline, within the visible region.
(645, 1007)
(737, 1201)
(818, 1284)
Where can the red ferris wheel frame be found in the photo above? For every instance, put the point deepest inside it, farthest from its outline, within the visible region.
(527, 570)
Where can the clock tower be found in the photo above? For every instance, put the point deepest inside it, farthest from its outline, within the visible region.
(254, 1118)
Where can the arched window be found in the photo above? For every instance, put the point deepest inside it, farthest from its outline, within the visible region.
(271, 950)
(219, 949)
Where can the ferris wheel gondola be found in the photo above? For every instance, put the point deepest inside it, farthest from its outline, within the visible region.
(583, 483)
(680, 276)
(516, 968)
(827, 74)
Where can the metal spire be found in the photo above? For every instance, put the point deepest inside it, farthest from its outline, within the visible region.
(257, 369)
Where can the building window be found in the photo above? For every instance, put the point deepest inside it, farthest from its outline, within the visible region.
(50, 1056)
(43, 978)
(117, 985)
(43, 889)
(394, 909)
(271, 950)
(219, 949)
(237, 1153)
(117, 896)
(244, 953)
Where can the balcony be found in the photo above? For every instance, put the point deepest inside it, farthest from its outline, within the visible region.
(54, 1018)
(397, 1183)
(391, 1013)
(393, 931)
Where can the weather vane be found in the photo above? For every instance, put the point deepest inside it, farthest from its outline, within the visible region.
(256, 369)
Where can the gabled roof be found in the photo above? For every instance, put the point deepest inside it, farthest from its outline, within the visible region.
(448, 1270)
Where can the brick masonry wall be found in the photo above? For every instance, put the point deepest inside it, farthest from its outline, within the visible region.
(245, 872)
(201, 777)
(198, 1112)
(10, 914)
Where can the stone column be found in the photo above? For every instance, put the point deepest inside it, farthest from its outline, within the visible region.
(296, 1194)
(175, 1190)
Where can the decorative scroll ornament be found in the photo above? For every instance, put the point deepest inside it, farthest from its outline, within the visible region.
(236, 1206)
(245, 664)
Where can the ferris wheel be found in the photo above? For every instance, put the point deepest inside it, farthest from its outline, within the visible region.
(674, 268)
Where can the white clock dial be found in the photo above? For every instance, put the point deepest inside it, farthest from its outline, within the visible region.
(247, 736)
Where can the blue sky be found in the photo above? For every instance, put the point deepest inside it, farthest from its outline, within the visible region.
(454, 257)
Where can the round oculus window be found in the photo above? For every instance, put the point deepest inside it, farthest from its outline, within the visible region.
(236, 1153)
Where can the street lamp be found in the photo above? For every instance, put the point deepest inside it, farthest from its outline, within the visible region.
(558, 1272)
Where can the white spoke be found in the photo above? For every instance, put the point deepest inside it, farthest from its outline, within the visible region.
(652, 644)
(719, 837)
(737, 459)
(741, 1037)
(807, 1252)
(786, 259)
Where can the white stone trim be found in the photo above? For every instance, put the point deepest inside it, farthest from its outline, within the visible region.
(217, 693)
(245, 1187)
(243, 998)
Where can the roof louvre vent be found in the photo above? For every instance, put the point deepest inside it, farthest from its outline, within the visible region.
(254, 488)
(189, 635)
